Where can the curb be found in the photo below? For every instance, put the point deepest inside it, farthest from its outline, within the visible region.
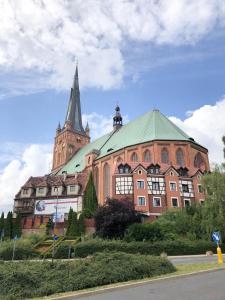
(117, 286)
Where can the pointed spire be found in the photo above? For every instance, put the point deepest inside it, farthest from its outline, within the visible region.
(73, 116)
(87, 129)
(58, 129)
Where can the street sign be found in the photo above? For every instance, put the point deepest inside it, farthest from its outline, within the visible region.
(216, 236)
(55, 237)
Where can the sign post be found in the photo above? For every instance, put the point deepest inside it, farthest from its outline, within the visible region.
(216, 238)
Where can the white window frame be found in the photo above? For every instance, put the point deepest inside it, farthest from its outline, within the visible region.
(143, 182)
(175, 186)
(41, 190)
(160, 202)
(138, 201)
(189, 200)
(172, 202)
(157, 183)
(73, 186)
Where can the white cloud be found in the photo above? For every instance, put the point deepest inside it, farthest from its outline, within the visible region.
(45, 37)
(207, 126)
(35, 160)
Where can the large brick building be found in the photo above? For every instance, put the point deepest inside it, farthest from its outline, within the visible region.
(149, 161)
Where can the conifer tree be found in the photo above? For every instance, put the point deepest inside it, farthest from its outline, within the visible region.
(70, 217)
(90, 197)
(49, 226)
(81, 224)
(8, 226)
(17, 228)
(1, 224)
(74, 229)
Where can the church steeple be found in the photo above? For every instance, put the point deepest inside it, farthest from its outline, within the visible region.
(117, 119)
(73, 116)
(72, 136)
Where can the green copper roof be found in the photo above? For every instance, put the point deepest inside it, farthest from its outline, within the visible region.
(151, 126)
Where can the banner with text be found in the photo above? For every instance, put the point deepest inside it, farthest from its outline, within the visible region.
(49, 207)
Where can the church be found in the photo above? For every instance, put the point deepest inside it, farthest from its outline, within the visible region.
(149, 161)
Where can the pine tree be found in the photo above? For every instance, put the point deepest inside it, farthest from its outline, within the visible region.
(17, 228)
(1, 224)
(90, 198)
(73, 229)
(81, 224)
(49, 226)
(8, 226)
(70, 217)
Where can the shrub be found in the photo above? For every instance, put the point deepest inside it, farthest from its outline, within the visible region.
(35, 279)
(23, 250)
(114, 217)
(178, 247)
(141, 232)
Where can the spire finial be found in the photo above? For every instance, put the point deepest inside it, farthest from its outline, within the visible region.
(117, 119)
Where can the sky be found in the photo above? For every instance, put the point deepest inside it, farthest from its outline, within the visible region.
(140, 54)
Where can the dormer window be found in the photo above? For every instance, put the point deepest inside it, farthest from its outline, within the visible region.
(25, 191)
(41, 190)
(153, 169)
(72, 188)
(183, 171)
(124, 169)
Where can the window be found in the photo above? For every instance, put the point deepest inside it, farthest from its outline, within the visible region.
(153, 169)
(41, 190)
(180, 157)
(121, 169)
(124, 185)
(139, 172)
(185, 188)
(200, 189)
(147, 156)
(134, 157)
(174, 202)
(106, 180)
(198, 160)
(55, 189)
(156, 202)
(183, 171)
(173, 186)
(72, 188)
(141, 201)
(155, 186)
(187, 203)
(140, 184)
(25, 191)
(165, 156)
(124, 168)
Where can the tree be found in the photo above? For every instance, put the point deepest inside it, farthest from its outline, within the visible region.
(90, 197)
(1, 224)
(214, 206)
(73, 226)
(17, 228)
(223, 139)
(81, 224)
(114, 217)
(49, 226)
(8, 226)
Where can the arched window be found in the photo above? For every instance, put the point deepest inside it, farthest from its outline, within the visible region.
(164, 156)
(134, 157)
(198, 160)
(180, 157)
(147, 156)
(121, 168)
(106, 180)
(127, 168)
(96, 180)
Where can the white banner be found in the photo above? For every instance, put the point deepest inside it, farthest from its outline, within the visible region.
(48, 207)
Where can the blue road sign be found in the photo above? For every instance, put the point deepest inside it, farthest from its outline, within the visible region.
(55, 237)
(216, 236)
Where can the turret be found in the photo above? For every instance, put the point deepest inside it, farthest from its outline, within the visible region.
(117, 119)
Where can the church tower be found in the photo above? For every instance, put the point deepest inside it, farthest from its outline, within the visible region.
(72, 136)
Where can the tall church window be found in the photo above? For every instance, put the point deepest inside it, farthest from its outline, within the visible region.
(198, 160)
(180, 157)
(164, 156)
(106, 180)
(96, 180)
(147, 156)
(134, 157)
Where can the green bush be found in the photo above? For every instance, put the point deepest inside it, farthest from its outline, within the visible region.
(35, 279)
(23, 250)
(144, 232)
(178, 247)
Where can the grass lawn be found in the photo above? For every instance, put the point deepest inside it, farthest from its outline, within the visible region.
(182, 270)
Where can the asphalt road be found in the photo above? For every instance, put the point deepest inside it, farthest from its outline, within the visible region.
(204, 286)
(194, 260)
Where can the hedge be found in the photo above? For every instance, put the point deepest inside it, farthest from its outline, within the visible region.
(23, 250)
(35, 279)
(179, 247)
